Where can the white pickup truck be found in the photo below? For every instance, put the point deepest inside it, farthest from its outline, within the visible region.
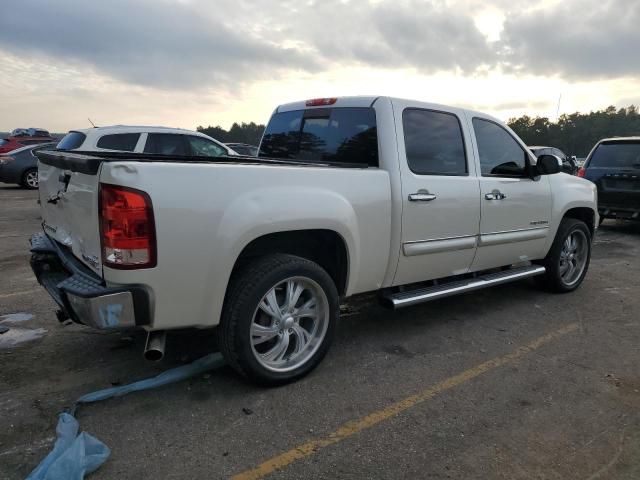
(348, 195)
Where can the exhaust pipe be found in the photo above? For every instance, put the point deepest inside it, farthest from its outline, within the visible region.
(154, 348)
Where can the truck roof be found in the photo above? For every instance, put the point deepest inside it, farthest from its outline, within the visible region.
(132, 129)
(368, 101)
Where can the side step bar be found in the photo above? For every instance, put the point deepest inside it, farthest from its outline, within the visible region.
(412, 297)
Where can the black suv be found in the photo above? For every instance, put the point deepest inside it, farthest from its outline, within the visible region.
(614, 166)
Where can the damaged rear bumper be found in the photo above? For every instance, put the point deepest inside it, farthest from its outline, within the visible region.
(81, 294)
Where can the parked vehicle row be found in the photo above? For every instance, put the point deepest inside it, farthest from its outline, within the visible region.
(19, 165)
(412, 200)
(21, 137)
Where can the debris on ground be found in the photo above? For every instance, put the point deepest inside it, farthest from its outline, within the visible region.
(76, 455)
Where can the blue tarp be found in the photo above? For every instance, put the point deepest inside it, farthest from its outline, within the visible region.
(76, 455)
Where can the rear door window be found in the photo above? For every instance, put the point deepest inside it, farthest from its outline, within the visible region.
(71, 141)
(166, 144)
(433, 142)
(203, 147)
(616, 155)
(119, 141)
(334, 135)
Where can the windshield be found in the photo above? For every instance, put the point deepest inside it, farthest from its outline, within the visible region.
(617, 155)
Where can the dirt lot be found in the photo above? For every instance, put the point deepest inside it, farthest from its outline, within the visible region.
(506, 383)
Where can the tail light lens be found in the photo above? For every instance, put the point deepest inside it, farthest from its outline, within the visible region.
(127, 228)
(581, 172)
(4, 159)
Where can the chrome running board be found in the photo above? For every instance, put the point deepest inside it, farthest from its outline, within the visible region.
(412, 297)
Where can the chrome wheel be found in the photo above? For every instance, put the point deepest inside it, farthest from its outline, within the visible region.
(573, 257)
(289, 324)
(31, 179)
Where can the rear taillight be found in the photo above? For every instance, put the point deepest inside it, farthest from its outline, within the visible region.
(318, 102)
(581, 172)
(4, 159)
(127, 228)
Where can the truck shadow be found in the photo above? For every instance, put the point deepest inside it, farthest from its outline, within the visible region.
(619, 226)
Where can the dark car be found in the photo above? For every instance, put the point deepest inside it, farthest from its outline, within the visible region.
(21, 166)
(243, 149)
(8, 144)
(569, 164)
(614, 166)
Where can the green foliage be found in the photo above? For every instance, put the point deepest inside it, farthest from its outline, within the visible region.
(238, 133)
(577, 133)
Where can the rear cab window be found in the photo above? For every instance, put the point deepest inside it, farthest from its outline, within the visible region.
(119, 141)
(341, 135)
(616, 154)
(71, 141)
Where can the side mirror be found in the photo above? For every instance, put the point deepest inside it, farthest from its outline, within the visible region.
(548, 165)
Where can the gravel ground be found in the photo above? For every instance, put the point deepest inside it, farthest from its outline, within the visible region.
(509, 383)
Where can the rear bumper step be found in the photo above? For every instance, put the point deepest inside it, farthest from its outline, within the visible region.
(413, 297)
(619, 212)
(81, 294)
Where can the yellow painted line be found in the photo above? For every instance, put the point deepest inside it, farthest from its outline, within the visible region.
(25, 292)
(351, 428)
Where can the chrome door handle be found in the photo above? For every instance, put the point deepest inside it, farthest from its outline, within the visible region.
(421, 196)
(495, 195)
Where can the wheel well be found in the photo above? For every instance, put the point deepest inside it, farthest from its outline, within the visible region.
(584, 214)
(324, 247)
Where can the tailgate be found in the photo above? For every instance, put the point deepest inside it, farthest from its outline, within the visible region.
(620, 190)
(69, 208)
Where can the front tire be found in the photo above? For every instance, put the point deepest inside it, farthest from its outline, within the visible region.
(568, 259)
(279, 319)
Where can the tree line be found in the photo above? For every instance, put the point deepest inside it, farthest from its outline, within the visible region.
(574, 133)
(250, 133)
(577, 133)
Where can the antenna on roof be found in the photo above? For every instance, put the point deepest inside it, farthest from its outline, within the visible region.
(92, 124)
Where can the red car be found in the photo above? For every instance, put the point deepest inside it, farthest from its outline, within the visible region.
(11, 143)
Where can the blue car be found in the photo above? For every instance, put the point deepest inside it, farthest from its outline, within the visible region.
(614, 166)
(21, 165)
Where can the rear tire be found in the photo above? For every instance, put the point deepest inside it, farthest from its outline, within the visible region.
(30, 179)
(568, 259)
(279, 319)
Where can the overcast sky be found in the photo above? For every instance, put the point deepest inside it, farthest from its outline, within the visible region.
(185, 63)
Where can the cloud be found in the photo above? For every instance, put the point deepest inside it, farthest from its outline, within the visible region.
(429, 36)
(144, 42)
(191, 44)
(576, 40)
